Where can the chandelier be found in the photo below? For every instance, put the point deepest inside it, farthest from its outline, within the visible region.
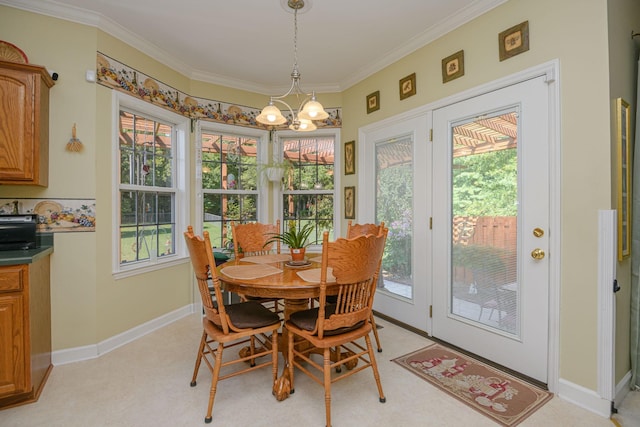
(310, 109)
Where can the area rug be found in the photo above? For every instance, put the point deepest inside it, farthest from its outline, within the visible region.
(502, 397)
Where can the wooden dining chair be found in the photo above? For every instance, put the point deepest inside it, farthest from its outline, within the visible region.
(355, 264)
(354, 230)
(250, 239)
(229, 325)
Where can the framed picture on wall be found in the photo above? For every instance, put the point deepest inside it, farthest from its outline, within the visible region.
(349, 158)
(623, 134)
(350, 202)
(373, 102)
(514, 40)
(453, 66)
(408, 86)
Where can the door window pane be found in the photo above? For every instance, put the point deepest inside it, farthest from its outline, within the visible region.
(484, 223)
(394, 206)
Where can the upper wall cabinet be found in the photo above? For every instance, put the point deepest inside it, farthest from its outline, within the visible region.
(24, 124)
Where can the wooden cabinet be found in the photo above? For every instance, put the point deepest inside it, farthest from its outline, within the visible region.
(25, 331)
(24, 124)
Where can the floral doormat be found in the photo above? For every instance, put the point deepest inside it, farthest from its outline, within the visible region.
(496, 394)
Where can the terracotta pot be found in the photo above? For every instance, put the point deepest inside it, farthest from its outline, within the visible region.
(297, 254)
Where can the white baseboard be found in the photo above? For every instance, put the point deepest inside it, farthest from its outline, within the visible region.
(622, 388)
(77, 354)
(584, 398)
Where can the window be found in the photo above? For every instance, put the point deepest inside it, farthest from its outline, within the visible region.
(152, 207)
(230, 181)
(309, 189)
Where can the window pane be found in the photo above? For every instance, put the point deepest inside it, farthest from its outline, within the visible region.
(165, 209)
(126, 159)
(221, 209)
(126, 147)
(152, 231)
(143, 146)
(128, 248)
(147, 218)
(240, 208)
(229, 162)
(128, 203)
(145, 151)
(218, 240)
(166, 239)
(162, 166)
(146, 208)
(308, 196)
(230, 183)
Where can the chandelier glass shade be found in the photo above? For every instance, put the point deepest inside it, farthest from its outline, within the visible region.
(310, 109)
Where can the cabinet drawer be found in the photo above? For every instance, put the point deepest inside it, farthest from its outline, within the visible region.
(12, 278)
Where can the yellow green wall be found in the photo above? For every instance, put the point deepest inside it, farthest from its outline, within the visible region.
(89, 306)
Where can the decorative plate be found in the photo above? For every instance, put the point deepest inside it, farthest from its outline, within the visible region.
(298, 264)
(47, 207)
(12, 53)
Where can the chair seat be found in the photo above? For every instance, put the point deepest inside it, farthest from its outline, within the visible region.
(306, 320)
(251, 314)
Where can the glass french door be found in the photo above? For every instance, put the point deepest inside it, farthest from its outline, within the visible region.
(394, 173)
(491, 216)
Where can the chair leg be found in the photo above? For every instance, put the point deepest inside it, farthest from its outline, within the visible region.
(290, 357)
(374, 367)
(274, 355)
(252, 348)
(203, 342)
(327, 385)
(214, 382)
(375, 333)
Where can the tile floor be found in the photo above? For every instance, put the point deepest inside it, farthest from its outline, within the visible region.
(146, 383)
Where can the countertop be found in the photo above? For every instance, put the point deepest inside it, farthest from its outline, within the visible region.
(44, 242)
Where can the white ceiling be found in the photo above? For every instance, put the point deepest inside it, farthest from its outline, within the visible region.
(248, 44)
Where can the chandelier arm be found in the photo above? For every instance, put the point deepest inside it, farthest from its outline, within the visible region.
(275, 99)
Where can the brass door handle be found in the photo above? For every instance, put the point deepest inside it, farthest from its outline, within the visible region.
(537, 253)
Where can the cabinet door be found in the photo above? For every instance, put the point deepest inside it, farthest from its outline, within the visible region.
(17, 139)
(24, 124)
(13, 377)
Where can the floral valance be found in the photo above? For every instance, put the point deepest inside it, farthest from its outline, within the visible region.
(115, 75)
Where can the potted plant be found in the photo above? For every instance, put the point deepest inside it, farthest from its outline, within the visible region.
(275, 171)
(297, 240)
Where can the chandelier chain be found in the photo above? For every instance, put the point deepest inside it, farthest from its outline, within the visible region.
(295, 44)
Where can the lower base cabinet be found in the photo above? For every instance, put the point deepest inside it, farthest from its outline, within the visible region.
(25, 331)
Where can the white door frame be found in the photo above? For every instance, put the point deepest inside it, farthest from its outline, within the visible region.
(551, 72)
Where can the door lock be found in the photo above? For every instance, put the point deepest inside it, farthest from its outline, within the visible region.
(537, 253)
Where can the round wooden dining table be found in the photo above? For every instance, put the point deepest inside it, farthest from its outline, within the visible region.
(285, 284)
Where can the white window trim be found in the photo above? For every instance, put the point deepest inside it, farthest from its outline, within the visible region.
(181, 174)
(337, 186)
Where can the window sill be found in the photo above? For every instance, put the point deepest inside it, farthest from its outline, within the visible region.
(147, 267)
